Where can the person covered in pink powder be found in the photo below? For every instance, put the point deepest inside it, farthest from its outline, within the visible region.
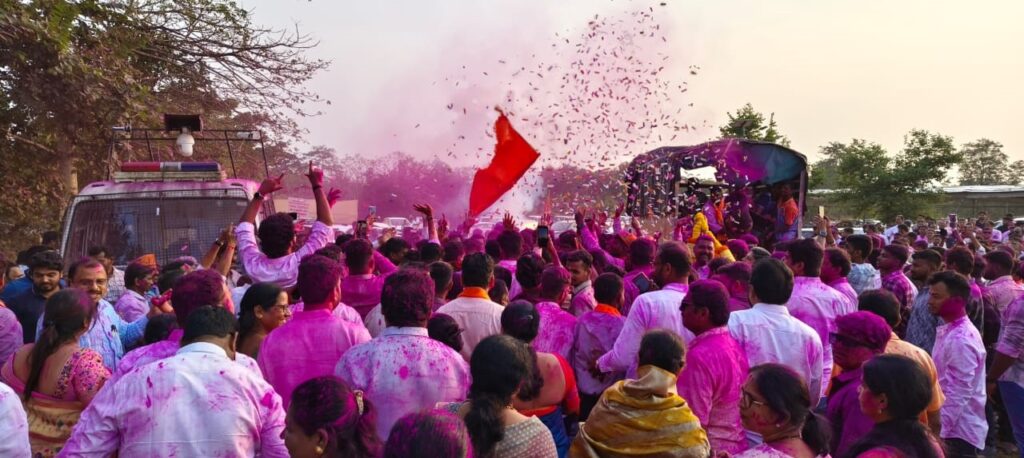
(835, 267)
(552, 394)
(328, 419)
(403, 370)
(54, 377)
(596, 332)
(768, 333)
(429, 435)
(367, 270)
(311, 343)
(812, 301)
(715, 367)
(473, 310)
(579, 263)
(196, 403)
(640, 262)
(890, 263)
(264, 308)
(190, 292)
(859, 337)
(735, 276)
(275, 258)
(656, 309)
(557, 326)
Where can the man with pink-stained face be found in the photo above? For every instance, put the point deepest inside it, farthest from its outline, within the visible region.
(959, 356)
(703, 251)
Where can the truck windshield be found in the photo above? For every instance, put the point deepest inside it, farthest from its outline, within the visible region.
(167, 227)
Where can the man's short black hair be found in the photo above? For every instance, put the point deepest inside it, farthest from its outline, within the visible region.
(881, 302)
(209, 321)
(957, 284)
(477, 270)
(441, 272)
(662, 348)
(607, 288)
(839, 258)
(859, 242)
(580, 256)
(511, 244)
(276, 233)
(930, 256)
(529, 268)
(136, 271)
(1002, 259)
(430, 252)
(50, 260)
(97, 250)
(899, 251)
(394, 245)
(453, 250)
(961, 260)
(675, 255)
(772, 281)
(808, 252)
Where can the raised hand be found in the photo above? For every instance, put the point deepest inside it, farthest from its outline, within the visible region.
(333, 196)
(620, 209)
(425, 209)
(509, 222)
(315, 175)
(442, 225)
(269, 185)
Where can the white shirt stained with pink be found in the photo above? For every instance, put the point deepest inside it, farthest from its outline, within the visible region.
(195, 403)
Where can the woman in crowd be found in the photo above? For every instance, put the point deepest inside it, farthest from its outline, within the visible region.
(551, 394)
(894, 392)
(327, 419)
(775, 404)
(429, 435)
(443, 328)
(56, 378)
(500, 366)
(646, 416)
(264, 308)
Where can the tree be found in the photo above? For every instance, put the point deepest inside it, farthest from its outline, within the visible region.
(69, 70)
(874, 184)
(984, 163)
(750, 124)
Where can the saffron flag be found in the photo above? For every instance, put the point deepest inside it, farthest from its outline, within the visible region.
(512, 158)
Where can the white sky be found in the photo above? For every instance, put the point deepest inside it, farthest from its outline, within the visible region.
(829, 70)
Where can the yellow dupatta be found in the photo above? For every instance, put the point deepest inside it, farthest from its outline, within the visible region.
(643, 417)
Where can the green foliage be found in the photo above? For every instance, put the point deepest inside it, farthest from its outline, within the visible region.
(750, 124)
(985, 163)
(69, 70)
(874, 183)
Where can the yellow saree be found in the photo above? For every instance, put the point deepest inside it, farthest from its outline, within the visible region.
(642, 418)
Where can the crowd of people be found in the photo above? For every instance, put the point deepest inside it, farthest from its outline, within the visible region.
(512, 342)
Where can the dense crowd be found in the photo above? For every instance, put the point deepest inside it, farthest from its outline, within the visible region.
(598, 341)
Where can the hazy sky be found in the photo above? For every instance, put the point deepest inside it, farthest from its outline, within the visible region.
(829, 70)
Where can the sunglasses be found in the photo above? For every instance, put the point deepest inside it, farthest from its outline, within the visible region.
(846, 341)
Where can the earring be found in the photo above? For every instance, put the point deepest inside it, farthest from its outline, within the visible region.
(319, 450)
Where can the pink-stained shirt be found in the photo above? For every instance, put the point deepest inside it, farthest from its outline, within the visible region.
(165, 349)
(716, 368)
(1011, 341)
(557, 330)
(195, 403)
(595, 334)
(404, 371)
(131, 306)
(582, 299)
(307, 346)
(818, 306)
(1002, 291)
(843, 286)
(374, 321)
(959, 358)
(653, 310)
(11, 335)
(362, 292)
(476, 315)
(590, 243)
(632, 291)
(14, 434)
(283, 271)
(769, 334)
